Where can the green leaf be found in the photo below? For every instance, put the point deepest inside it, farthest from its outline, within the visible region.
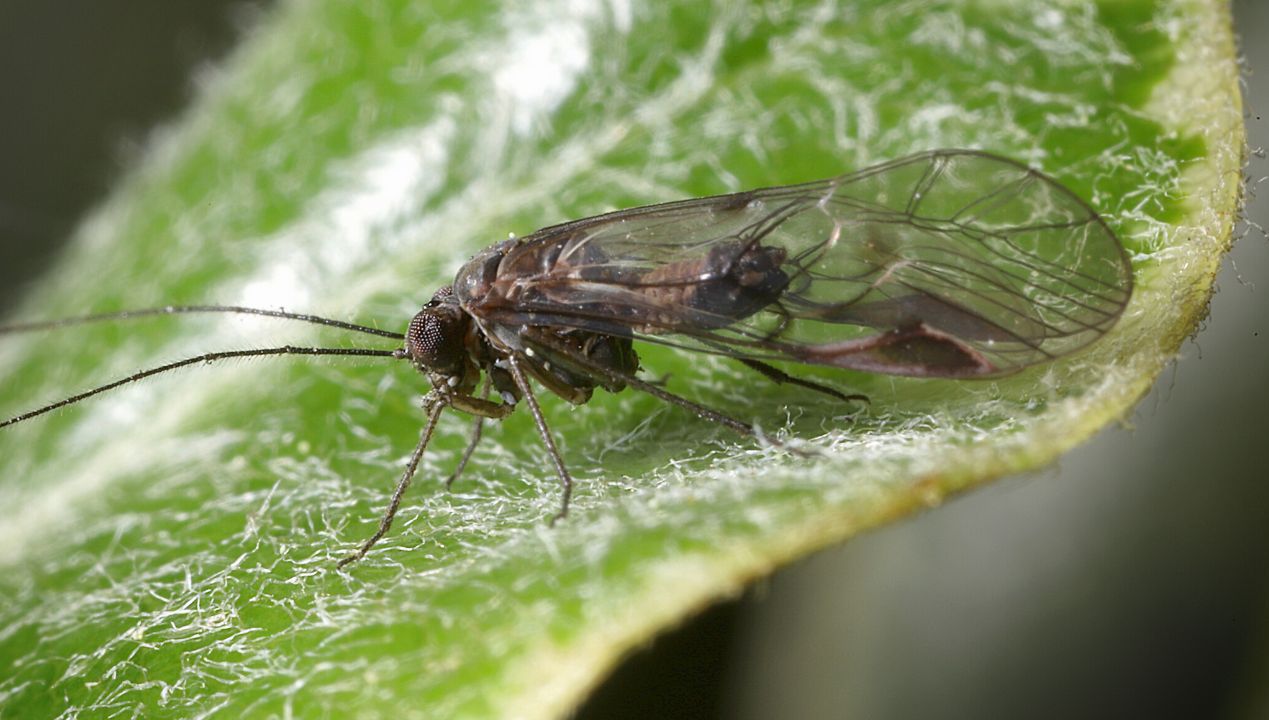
(170, 546)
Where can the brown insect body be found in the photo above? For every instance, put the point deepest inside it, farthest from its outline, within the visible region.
(949, 264)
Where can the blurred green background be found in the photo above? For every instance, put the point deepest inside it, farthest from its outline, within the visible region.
(1086, 590)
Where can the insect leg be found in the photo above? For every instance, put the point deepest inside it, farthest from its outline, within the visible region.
(777, 375)
(706, 413)
(566, 480)
(435, 406)
(696, 409)
(661, 394)
(476, 428)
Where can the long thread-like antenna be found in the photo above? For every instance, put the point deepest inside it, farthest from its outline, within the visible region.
(191, 309)
(204, 358)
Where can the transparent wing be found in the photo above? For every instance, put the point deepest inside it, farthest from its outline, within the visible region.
(949, 263)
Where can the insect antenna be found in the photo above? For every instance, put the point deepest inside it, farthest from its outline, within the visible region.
(190, 310)
(204, 358)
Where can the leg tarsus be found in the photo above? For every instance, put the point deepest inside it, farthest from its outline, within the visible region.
(563, 511)
(435, 407)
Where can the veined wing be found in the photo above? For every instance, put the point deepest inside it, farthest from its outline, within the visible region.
(949, 263)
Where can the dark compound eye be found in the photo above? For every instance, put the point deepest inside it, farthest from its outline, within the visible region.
(434, 339)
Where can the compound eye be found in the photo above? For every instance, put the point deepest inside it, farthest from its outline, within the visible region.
(435, 340)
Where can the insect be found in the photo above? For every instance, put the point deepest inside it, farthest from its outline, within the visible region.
(945, 264)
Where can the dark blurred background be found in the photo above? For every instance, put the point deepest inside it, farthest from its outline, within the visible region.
(1132, 580)
(82, 83)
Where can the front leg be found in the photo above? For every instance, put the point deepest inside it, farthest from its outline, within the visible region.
(480, 407)
(434, 403)
(434, 406)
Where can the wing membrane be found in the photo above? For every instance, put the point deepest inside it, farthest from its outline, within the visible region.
(947, 263)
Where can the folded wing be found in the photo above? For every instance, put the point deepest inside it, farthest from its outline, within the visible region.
(944, 264)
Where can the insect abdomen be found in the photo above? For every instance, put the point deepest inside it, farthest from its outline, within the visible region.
(728, 285)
